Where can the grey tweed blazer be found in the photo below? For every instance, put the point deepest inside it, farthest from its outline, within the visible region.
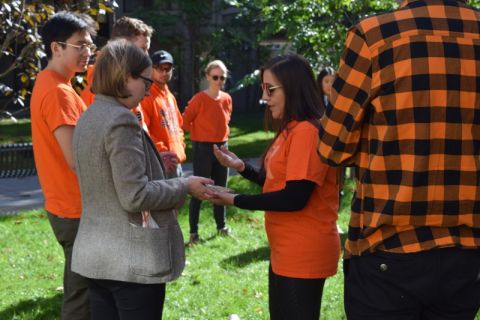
(120, 174)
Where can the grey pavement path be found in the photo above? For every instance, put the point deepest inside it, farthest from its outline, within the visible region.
(19, 194)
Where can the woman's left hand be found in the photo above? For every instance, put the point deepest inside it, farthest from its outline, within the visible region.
(221, 198)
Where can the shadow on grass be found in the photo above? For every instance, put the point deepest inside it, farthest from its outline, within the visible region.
(38, 309)
(246, 258)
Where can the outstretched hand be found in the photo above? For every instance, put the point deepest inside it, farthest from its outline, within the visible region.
(221, 198)
(228, 158)
(196, 187)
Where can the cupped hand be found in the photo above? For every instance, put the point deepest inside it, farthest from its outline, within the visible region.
(222, 198)
(228, 158)
(170, 161)
(196, 187)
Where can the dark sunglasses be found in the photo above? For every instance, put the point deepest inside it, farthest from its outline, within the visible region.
(215, 78)
(269, 89)
(148, 82)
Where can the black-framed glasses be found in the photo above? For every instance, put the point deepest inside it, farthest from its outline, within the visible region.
(148, 82)
(269, 89)
(215, 78)
(81, 48)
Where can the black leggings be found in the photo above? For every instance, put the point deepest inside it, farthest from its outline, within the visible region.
(294, 298)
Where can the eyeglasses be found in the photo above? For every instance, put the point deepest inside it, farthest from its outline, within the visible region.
(215, 78)
(81, 48)
(269, 89)
(148, 82)
(164, 68)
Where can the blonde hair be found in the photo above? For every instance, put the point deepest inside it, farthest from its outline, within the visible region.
(118, 60)
(215, 64)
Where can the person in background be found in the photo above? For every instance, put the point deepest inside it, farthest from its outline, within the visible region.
(138, 33)
(324, 81)
(129, 243)
(55, 108)
(162, 116)
(206, 118)
(300, 194)
(405, 111)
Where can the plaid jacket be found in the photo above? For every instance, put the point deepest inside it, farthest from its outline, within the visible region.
(406, 114)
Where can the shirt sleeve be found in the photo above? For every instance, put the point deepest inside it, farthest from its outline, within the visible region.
(190, 113)
(303, 162)
(340, 129)
(62, 107)
(293, 197)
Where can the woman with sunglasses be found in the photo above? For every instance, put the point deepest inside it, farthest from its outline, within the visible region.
(300, 194)
(129, 243)
(207, 117)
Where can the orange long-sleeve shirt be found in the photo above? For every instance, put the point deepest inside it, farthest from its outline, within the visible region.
(164, 121)
(207, 118)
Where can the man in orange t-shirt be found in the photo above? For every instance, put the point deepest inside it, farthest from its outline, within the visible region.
(138, 33)
(55, 108)
(162, 116)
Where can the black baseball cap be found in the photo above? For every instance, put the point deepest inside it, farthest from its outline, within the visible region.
(161, 56)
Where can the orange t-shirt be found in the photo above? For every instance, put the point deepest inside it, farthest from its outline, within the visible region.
(164, 121)
(88, 96)
(304, 243)
(207, 118)
(55, 103)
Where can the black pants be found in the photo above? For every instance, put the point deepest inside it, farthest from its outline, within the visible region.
(294, 298)
(437, 284)
(206, 165)
(117, 300)
(75, 287)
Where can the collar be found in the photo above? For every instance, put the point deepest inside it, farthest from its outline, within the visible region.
(407, 2)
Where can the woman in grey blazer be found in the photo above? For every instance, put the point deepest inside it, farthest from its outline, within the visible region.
(129, 243)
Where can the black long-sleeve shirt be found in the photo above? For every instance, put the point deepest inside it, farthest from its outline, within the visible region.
(293, 197)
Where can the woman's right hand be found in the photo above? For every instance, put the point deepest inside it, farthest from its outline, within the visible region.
(228, 158)
(196, 187)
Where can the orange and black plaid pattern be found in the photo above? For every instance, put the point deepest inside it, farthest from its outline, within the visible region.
(406, 114)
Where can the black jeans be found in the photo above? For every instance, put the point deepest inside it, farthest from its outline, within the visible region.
(437, 284)
(294, 298)
(206, 165)
(117, 300)
(75, 287)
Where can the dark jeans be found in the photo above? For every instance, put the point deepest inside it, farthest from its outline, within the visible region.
(117, 300)
(75, 287)
(436, 284)
(206, 165)
(294, 298)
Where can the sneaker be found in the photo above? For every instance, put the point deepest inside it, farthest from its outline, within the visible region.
(194, 239)
(224, 231)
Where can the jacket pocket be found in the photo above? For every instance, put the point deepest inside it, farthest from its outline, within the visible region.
(150, 251)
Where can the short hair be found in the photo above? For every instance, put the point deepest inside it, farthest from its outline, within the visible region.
(118, 60)
(215, 64)
(129, 28)
(62, 26)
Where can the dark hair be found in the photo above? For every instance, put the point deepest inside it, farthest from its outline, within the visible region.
(128, 28)
(326, 71)
(62, 26)
(302, 99)
(118, 60)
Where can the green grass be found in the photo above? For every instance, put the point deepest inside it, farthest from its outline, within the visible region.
(15, 132)
(224, 275)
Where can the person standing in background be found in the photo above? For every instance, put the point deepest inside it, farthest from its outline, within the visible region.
(324, 81)
(406, 113)
(138, 33)
(162, 116)
(206, 118)
(55, 109)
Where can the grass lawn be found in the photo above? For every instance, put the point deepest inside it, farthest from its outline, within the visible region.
(224, 275)
(15, 132)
